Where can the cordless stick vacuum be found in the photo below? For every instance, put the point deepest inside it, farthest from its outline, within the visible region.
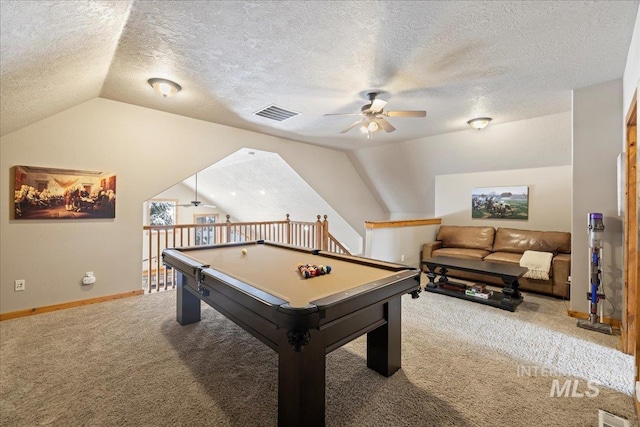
(596, 242)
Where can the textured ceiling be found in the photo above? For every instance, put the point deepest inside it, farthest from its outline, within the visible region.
(457, 60)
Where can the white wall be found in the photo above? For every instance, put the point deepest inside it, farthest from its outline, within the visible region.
(597, 115)
(631, 87)
(631, 78)
(399, 244)
(149, 151)
(549, 197)
(404, 173)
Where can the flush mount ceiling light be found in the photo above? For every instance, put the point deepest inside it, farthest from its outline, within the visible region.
(165, 87)
(479, 123)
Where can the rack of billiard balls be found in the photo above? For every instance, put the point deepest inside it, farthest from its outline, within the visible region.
(312, 270)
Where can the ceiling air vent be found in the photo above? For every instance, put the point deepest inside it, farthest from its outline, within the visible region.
(276, 113)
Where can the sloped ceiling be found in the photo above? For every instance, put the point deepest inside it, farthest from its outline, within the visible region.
(54, 55)
(255, 185)
(457, 60)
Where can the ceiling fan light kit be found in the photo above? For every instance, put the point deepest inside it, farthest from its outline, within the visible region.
(372, 127)
(369, 129)
(374, 116)
(479, 123)
(164, 87)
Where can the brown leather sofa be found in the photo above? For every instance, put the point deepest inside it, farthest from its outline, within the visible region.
(505, 245)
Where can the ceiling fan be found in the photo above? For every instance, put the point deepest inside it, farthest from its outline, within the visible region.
(374, 116)
(196, 202)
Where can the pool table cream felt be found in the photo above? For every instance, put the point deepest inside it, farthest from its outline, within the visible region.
(275, 270)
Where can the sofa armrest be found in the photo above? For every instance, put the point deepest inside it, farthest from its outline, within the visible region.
(561, 273)
(428, 248)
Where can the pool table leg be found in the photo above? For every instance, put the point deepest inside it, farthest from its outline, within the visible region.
(188, 305)
(301, 382)
(384, 343)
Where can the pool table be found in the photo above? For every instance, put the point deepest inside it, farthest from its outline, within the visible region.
(301, 319)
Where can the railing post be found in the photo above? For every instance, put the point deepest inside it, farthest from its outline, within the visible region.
(319, 242)
(288, 230)
(325, 233)
(228, 226)
(150, 264)
(164, 271)
(158, 260)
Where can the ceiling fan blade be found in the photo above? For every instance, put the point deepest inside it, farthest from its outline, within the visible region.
(344, 114)
(352, 126)
(195, 203)
(377, 105)
(385, 125)
(405, 113)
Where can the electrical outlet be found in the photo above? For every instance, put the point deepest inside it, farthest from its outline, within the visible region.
(19, 285)
(401, 258)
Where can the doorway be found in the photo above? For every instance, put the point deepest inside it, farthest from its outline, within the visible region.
(631, 322)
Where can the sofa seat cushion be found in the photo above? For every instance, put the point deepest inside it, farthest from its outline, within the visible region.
(509, 258)
(504, 257)
(518, 241)
(478, 254)
(469, 237)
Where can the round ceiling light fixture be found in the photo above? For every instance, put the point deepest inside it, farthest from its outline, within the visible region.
(165, 87)
(479, 123)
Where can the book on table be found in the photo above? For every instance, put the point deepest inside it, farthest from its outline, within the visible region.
(479, 287)
(483, 295)
(453, 286)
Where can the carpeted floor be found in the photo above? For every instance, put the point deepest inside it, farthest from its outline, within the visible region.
(129, 363)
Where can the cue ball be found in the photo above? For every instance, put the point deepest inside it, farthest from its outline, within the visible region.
(244, 252)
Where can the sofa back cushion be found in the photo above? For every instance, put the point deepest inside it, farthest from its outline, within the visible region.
(518, 241)
(453, 236)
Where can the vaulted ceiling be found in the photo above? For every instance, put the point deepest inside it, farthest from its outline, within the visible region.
(457, 60)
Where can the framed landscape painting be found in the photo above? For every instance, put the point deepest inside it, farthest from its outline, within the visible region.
(47, 193)
(500, 202)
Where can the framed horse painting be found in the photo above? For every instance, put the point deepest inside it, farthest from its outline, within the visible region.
(500, 202)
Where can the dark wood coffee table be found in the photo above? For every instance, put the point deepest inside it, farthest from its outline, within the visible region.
(508, 299)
